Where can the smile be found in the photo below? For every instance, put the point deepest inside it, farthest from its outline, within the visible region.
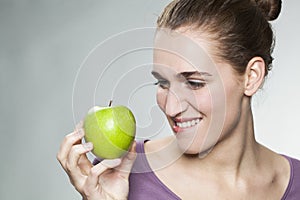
(187, 124)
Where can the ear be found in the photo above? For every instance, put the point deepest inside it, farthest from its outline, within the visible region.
(254, 75)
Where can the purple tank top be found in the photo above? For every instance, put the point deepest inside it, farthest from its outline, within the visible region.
(293, 189)
(147, 186)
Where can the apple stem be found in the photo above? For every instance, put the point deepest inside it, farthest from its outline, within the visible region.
(110, 102)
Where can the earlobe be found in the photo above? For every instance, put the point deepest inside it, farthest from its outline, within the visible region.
(254, 75)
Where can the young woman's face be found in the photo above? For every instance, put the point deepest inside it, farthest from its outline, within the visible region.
(200, 97)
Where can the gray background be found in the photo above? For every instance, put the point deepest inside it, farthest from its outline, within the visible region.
(42, 46)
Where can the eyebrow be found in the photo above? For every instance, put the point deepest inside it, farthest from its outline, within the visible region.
(183, 74)
(192, 73)
(156, 74)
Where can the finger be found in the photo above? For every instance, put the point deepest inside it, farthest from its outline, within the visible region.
(85, 164)
(66, 145)
(76, 173)
(79, 125)
(127, 162)
(77, 152)
(93, 178)
(79, 128)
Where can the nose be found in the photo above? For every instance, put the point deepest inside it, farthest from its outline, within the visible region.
(174, 104)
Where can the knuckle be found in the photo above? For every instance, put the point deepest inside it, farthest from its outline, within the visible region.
(94, 171)
(60, 159)
(70, 172)
(76, 150)
(68, 167)
(69, 137)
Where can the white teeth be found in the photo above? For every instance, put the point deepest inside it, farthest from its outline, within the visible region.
(188, 123)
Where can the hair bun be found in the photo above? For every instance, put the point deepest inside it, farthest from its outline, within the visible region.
(270, 8)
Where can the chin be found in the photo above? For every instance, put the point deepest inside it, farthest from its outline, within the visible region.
(195, 150)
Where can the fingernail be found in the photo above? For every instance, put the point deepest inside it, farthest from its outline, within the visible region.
(88, 146)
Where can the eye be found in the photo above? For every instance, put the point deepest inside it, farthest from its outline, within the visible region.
(195, 84)
(162, 83)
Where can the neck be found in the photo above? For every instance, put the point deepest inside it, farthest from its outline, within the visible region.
(237, 150)
(235, 153)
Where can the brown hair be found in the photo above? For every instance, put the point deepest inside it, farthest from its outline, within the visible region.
(240, 27)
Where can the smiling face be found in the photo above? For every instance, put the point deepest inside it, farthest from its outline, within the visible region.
(200, 96)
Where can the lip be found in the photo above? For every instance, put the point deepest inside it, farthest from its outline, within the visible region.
(185, 119)
(178, 129)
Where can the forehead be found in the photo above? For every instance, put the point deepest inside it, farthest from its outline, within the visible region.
(182, 49)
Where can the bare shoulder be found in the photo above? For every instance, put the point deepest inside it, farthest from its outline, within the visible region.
(157, 145)
(278, 161)
(280, 167)
(161, 153)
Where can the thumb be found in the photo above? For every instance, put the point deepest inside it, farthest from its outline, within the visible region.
(127, 162)
(111, 163)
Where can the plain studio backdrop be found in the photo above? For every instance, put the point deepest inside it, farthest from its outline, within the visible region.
(44, 43)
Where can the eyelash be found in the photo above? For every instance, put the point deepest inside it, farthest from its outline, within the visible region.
(162, 84)
(195, 84)
(192, 84)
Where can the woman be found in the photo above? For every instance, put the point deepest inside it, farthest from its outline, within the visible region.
(210, 58)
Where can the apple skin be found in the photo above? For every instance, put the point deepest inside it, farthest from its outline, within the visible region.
(110, 129)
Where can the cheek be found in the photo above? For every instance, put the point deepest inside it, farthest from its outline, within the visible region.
(229, 115)
(212, 104)
(233, 104)
(215, 99)
(203, 102)
(161, 99)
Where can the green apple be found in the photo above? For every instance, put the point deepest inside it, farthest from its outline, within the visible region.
(110, 129)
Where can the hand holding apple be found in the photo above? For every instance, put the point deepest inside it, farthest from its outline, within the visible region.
(110, 129)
